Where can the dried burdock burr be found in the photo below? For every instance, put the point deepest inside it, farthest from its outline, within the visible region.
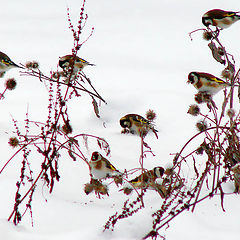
(10, 84)
(150, 115)
(194, 110)
(88, 188)
(231, 112)
(67, 129)
(201, 125)
(32, 65)
(13, 142)
(207, 35)
(227, 73)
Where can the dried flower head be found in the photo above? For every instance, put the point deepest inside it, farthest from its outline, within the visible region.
(201, 125)
(207, 35)
(127, 190)
(13, 142)
(56, 75)
(200, 150)
(202, 97)
(10, 83)
(206, 97)
(32, 65)
(226, 73)
(198, 98)
(66, 128)
(169, 171)
(150, 115)
(101, 189)
(231, 112)
(194, 110)
(88, 188)
(118, 180)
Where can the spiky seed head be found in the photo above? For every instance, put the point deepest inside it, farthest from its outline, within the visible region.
(67, 128)
(202, 97)
(198, 98)
(194, 110)
(231, 113)
(206, 97)
(88, 188)
(127, 190)
(151, 115)
(207, 35)
(32, 65)
(101, 188)
(11, 84)
(169, 171)
(201, 125)
(13, 142)
(226, 73)
(199, 150)
(118, 180)
(56, 75)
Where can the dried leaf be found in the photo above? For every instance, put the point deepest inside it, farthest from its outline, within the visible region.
(194, 165)
(73, 140)
(215, 53)
(222, 196)
(95, 107)
(72, 155)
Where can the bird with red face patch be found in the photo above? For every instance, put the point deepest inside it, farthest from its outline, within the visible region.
(101, 168)
(70, 61)
(206, 82)
(6, 63)
(145, 180)
(220, 18)
(137, 124)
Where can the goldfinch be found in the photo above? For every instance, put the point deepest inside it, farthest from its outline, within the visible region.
(101, 168)
(205, 82)
(220, 18)
(137, 124)
(145, 180)
(68, 61)
(6, 63)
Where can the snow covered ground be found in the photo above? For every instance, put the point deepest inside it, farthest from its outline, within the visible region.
(143, 55)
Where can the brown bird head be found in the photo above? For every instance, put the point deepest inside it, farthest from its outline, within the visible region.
(192, 77)
(158, 171)
(96, 156)
(125, 122)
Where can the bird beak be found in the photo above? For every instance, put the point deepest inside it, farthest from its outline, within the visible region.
(15, 65)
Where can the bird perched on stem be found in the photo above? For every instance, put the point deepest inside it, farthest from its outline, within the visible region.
(220, 18)
(206, 82)
(145, 180)
(70, 61)
(101, 168)
(137, 124)
(6, 63)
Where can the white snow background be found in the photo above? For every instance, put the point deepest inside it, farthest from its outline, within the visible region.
(143, 55)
